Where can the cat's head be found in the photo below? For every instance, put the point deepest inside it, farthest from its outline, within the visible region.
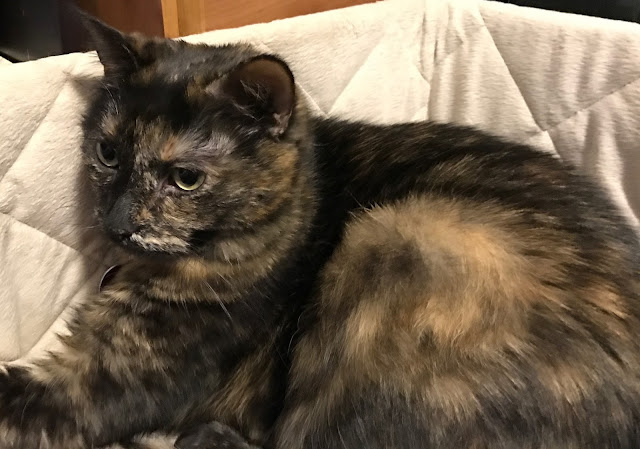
(193, 147)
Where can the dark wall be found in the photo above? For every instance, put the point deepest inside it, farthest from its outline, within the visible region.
(628, 10)
(29, 29)
(32, 29)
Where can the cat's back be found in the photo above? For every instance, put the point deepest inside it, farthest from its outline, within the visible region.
(484, 291)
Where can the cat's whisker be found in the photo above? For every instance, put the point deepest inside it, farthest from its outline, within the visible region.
(217, 297)
(225, 279)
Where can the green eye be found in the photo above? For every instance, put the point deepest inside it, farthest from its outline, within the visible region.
(187, 179)
(107, 155)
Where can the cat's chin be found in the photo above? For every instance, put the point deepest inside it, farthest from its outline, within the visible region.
(200, 239)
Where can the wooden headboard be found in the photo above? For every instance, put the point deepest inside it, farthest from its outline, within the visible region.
(175, 18)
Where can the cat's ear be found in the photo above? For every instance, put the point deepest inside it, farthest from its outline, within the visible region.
(264, 87)
(121, 54)
(115, 49)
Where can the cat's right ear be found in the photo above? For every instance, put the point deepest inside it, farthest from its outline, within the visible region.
(265, 88)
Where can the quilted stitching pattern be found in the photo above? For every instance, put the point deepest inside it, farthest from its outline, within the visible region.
(567, 84)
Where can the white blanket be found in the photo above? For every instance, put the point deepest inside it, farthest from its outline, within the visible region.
(566, 83)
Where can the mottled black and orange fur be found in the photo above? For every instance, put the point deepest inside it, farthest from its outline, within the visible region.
(332, 284)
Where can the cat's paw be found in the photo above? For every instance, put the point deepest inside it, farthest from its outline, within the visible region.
(5, 386)
(4, 376)
(213, 435)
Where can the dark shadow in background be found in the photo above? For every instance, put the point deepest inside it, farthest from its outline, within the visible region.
(627, 10)
(32, 29)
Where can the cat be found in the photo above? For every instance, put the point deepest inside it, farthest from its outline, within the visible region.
(303, 282)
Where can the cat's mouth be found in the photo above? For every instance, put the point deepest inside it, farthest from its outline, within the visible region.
(139, 243)
(198, 242)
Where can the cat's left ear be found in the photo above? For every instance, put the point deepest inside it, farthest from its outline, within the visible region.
(120, 54)
(263, 87)
(114, 48)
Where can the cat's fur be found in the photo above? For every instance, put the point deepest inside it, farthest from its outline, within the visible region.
(332, 284)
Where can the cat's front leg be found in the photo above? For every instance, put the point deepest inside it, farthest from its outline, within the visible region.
(52, 407)
(111, 380)
(213, 435)
(34, 415)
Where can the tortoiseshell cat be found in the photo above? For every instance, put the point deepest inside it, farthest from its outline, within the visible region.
(322, 284)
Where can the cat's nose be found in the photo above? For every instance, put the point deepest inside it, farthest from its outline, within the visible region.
(123, 231)
(118, 222)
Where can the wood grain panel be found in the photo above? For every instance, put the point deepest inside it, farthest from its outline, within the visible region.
(175, 18)
(128, 15)
(170, 18)
(218, 14)
(191, 14)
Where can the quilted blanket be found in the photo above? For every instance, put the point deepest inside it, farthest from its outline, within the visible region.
(567, 84)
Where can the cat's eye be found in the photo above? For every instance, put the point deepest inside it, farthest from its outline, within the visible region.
(187, 179)
(107, 155)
